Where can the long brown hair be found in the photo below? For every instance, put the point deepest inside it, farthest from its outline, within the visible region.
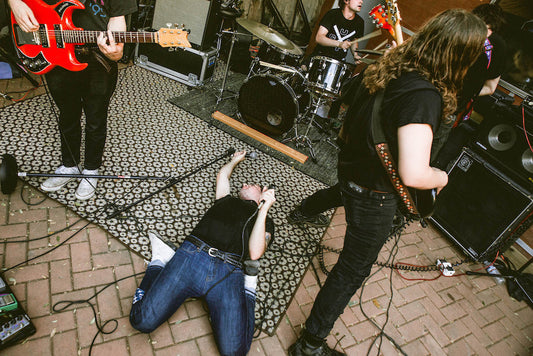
(442, 51)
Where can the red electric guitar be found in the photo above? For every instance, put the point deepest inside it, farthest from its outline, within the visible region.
(388, 18)
(55, 42)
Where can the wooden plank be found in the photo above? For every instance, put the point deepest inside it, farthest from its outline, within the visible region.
(256, 135)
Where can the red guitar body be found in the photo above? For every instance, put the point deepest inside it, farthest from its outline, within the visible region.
(40, 58)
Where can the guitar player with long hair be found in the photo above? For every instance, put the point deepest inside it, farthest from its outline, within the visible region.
(89, 90)
(419, 81)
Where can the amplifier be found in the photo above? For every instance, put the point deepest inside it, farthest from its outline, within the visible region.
(199, 16)
(15, 324)
(481, 209)
(186, 65)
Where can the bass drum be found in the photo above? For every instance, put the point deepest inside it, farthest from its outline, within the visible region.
(269, 104)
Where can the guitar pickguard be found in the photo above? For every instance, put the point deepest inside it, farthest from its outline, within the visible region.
(62, 8)
(34, 64)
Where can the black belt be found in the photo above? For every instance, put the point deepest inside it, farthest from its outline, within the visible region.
(227, 257)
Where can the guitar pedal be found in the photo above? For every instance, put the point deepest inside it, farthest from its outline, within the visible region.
(15, 324)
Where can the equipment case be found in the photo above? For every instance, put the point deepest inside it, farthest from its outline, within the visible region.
(186, 65)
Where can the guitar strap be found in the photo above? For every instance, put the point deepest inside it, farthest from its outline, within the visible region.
(386, 158)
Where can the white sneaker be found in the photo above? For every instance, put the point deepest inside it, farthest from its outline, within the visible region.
(87, 186)
(160, 250)
(55, 183)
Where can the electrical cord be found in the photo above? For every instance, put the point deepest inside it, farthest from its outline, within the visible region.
(382, 332)
(24, 183)
(67, 303)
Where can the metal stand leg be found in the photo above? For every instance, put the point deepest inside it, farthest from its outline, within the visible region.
(303, 140)
(220, 95)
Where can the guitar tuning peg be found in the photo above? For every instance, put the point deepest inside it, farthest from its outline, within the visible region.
(169, 25)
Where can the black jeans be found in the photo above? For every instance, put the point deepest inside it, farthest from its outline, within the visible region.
(369, 217)
(89, 90)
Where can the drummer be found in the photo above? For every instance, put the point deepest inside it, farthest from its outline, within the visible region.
(338, 28)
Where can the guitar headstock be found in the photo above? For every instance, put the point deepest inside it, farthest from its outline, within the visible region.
(173, 37)
(380, 18)
(388, 18)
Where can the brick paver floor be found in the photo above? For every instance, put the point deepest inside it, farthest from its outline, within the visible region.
(460, 315)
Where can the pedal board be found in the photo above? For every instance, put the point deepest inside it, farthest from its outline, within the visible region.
(15, 324)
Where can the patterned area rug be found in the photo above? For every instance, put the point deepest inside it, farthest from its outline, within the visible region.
(148, 136)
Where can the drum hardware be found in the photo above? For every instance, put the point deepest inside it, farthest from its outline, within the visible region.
(220, 95)
(303, 140)
(229, 11)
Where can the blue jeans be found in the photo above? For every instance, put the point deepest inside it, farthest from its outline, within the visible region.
(191, 273)
(369, 217)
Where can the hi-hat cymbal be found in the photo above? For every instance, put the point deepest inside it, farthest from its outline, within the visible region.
(270, 35)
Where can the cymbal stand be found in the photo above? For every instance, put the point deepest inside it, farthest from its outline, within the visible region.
(303, 140)
(220, 95)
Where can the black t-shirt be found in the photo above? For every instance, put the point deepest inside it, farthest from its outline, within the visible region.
(221, 226)
(408, 99)
(96, 14)
(340, 29)
(489, 65)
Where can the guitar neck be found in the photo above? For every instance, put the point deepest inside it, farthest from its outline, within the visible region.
(398, 33)
(75, 36)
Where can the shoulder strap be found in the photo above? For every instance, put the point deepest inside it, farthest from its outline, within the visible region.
(385, 156)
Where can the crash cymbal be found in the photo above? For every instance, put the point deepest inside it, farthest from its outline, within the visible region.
(369, 51)
(271, 36)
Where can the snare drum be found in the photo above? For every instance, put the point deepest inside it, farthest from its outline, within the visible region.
(275, 55)
(271, 103)
(326, 74)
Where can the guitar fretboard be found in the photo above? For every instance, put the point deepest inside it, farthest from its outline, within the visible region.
(77, 36)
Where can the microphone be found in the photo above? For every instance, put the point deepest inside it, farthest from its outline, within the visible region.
(230, 151)
(251, 155)
(270, 186)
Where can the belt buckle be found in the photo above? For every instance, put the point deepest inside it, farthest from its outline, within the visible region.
(355, 187)
(212, 252)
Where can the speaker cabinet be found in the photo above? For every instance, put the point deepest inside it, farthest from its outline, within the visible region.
(199, 16)
(481, 209)
(502, 139)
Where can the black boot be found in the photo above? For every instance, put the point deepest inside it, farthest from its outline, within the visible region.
(303, 348)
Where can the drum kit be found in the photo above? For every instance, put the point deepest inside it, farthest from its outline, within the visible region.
(279, 94)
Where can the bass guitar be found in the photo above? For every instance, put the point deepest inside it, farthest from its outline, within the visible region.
(54, 43)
